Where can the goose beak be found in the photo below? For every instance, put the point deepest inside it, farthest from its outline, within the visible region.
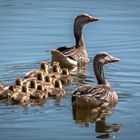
(113, 59)
(93, 19)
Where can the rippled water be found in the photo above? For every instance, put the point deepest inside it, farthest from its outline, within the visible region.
(28, 28)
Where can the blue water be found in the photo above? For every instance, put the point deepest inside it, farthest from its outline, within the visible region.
(31, 27)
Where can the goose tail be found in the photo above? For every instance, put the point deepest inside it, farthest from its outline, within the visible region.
(65, 62)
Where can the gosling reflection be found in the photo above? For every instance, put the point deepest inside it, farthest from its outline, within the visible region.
(85, 116)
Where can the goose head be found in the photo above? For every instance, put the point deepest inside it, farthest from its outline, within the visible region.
(83, 19)
(104, 58)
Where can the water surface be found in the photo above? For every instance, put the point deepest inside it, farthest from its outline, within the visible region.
(28, 28)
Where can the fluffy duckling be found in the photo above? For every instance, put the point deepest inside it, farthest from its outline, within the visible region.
(22, 97)
(49, 81)
(7, 93)
(43, 68)
(32, 86)
(40, 93)
(48, 84)
(97, 96)
(55, 71)
(55, 68)
(71, 57)
(18, 84)
(58, 90)
(65, 77)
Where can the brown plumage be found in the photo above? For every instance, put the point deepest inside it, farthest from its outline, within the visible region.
(100, 95)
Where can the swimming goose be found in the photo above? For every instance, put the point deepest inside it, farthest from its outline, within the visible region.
(71, 57)
(100, 95)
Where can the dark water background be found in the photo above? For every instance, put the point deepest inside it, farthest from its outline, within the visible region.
(28, 28)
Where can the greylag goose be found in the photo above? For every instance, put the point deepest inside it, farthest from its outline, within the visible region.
(97, 96)
(71, 57)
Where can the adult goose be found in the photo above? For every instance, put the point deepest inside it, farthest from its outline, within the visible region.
(101, 95)
(71, 57)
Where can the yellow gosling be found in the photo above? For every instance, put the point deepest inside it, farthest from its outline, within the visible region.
(65, 77)
(58, 90)
(39, 93)
(22, 97)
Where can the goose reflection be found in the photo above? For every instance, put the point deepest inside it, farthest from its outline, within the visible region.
(85, 116)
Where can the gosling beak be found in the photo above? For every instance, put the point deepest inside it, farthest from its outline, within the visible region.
(93, 19)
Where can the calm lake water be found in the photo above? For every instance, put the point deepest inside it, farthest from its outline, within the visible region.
(28, 28)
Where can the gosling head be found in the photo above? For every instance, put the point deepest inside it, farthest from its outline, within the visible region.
(44, 66)
(48, 79)
(40, 87)
(56, 68)
(1, 85)
(18, 82)
(55, 63)
(65, 71)
(25, 89)
(40, 76)
(11, 88)
(58, 84)
(33, 84)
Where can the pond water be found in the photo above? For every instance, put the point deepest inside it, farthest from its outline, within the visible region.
(31, 27)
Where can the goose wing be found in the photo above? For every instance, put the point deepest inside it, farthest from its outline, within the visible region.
(72, 53)
(100, 92)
